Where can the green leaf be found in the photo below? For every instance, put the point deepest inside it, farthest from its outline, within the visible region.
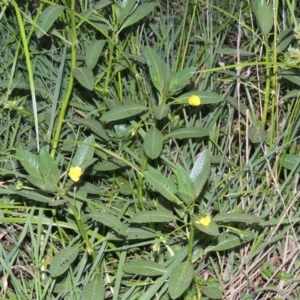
(153, 217)
(158, 69)
(30, 162)
(240, 107)
(38, 182)
(85, 77)
(94, 125)
(292, 75)
(123, 112)
(184, 181)
(212, 291)
(180, 279)
(237, 217)
(264, 16)
(211, 229)
(163, 185)
(200, 172)
(93, 53)
(94, 290)
(205, 97)
(187, 199)
(123, 9)
(180, 79)
(141, 12)
(85, 152)
(187, 133)
(48, 167)
(285, 39)
(257, 134)
(226, 241)
(161, 111)
(34, 196)
(144, 268)
(62, 260)
(137, 232)
(109, 165)
(47, 18)
(153, 143)
(110, 221)
(291, 161)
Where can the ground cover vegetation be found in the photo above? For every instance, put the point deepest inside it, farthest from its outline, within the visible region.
(149, 149)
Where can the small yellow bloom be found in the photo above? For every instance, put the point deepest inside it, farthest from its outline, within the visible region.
(204, 221)
(19, 185)
(194, 100)
(75, 173)
(133, 132)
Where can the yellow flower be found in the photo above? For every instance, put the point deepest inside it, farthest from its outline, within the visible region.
(19, 185)
(75, 173)
(204, 221)
(194, 100)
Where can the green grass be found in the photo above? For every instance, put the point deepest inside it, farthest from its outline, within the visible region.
(112, 186)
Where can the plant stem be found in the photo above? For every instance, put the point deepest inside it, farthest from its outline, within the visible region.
(66, 100)
(191, 242)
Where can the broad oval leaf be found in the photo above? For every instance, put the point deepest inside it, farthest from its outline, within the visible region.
(153, 217)
(264, 16)
(110, 221)
(85, 77)
(291, 161)
(237, 217)
(180, 279)
(30, 162)
(141, 12)
(94, 125)
(226, 241)
(212, 291)
(158, 69)
(153, 143)
(200, 172)
(136, 232)
(163, 185)
(62, 261)
(85, 152)
(47, 18)
(180, 79)
(94, 290)
(93, 53)
(123, 9)
(211, 229)
(257, 134)
(184, 181)
(109, 165)
(144, 268)
(40, 197)
(161, 111)
(205, 97)
(48, 167)
(187, 133)
(123, 112)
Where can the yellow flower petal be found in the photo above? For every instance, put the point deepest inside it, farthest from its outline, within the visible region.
(204, 221)
(75, 173)
(194, 100)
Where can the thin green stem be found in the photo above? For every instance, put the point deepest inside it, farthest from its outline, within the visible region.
(191, 242)
(29, 70)
(274, 111)
(267, 88)
(65, 102)
(179, 57)
(187, 43)
(141, 181)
